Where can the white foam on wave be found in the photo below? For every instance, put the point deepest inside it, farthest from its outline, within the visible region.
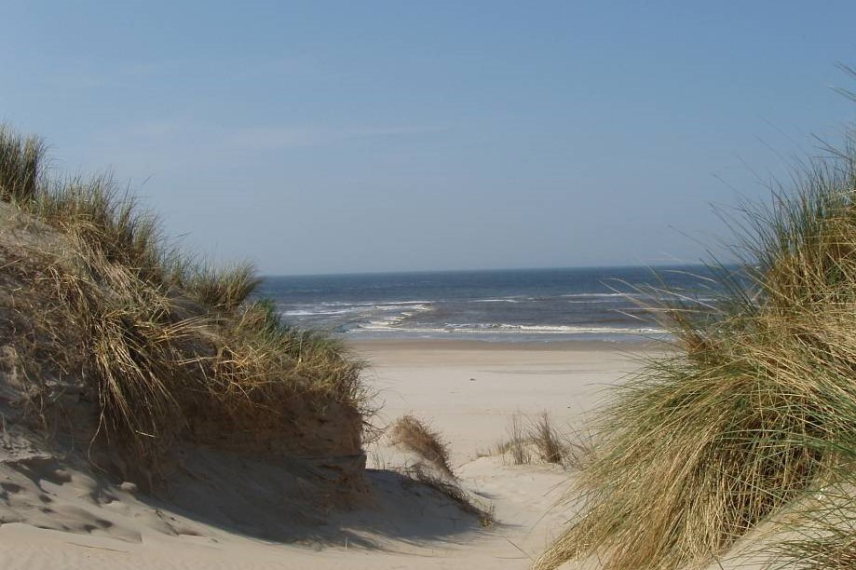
(499, 328)
(316, 312)
(390, 322)
(596, 295)
(343, 308)
(592, 301)
(370, 303)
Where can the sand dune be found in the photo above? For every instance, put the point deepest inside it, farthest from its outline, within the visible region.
(56, 515)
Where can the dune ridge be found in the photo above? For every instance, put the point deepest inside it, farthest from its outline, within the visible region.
(155, 414)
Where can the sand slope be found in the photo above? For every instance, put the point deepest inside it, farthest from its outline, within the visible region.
(246, 515)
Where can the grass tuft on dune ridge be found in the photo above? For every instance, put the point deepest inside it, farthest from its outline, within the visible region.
(162, 349)
(416, 436)
(756, 410)
(21, 164)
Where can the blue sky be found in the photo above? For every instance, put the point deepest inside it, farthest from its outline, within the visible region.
(326, 137)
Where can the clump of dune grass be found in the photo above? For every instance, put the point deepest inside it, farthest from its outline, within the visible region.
(547, 440)
(21, 164)
(517, 446)
(577, 449)
(754, 408)
(223, 289)
(162, 349)
(435, 471)
(416, 436)
(539, 440)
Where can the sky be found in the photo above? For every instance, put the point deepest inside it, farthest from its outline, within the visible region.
(337, 137)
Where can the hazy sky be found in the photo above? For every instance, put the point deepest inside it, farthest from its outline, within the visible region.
(325, 137)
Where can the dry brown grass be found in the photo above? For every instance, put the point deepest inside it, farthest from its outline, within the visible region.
(223, 289)
(755, 410)
(547, 440)
(825, 537)
(517, 446)
(539, 440)
(161, 349)
(435, 470)
(452, 490)
(21, 164)
(415, 435)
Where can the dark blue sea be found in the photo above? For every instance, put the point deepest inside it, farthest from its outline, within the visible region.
(532, 305)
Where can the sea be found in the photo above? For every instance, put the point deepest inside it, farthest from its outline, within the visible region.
(520, 305)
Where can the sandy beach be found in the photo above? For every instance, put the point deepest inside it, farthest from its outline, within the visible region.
(468, 391)
(426, 285)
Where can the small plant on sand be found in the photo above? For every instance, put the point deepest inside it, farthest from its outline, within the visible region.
(547, 440)
(541, 441)
(517, 446)
(435, 470)
(416, 436)
(755, 409)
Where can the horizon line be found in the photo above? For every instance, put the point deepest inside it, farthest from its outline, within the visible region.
(499, 269)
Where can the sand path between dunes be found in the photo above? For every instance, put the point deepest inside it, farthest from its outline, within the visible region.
(468, 391)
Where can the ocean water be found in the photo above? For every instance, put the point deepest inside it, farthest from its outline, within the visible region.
(540, 305)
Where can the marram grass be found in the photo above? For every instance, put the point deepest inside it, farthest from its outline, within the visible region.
(21, 163)
(165, 349)
(752, 412)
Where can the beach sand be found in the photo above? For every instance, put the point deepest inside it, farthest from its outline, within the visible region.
(468, 391)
